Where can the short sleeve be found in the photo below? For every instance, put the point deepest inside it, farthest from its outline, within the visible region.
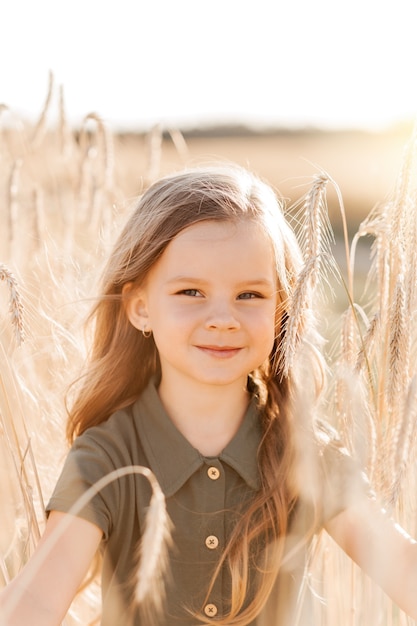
(86, 463)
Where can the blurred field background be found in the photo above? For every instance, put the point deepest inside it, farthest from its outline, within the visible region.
(364, 164)
(64, 194)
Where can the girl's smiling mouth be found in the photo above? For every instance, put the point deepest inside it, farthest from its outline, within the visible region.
(222, 352)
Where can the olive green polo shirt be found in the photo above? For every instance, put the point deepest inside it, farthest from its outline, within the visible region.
(203, 498)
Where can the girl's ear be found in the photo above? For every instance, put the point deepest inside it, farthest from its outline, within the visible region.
(136, 306)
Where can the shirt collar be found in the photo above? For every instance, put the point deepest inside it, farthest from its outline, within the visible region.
(173, 459)
(242, 452)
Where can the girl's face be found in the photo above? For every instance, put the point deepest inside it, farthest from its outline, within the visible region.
(210, 301)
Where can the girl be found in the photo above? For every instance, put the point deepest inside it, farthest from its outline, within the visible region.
(187, 377)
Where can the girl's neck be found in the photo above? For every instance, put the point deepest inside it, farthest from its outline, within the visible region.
(207, 417)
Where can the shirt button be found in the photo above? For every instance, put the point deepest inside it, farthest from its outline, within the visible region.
(212, 542)
(210, 610)
(213, 473)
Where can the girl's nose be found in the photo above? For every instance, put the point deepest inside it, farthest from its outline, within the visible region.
(222, 317)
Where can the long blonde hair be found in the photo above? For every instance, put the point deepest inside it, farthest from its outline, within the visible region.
(121, 354)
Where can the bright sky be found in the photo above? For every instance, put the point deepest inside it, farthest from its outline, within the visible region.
(182, 62)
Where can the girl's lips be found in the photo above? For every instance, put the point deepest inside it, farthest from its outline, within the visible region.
(220, 351)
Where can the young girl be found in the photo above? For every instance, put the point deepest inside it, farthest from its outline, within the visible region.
(187, 377)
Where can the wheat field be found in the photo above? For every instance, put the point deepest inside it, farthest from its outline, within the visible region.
(64, 195)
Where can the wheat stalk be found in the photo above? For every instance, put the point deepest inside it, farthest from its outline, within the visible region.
(314, 232)
(348, 350)
(398, 349)
(21, 474)
(13, 137)
(368, 346)
(296, 316)
(103, 136)
(404, 440)
(381, 430)
(180, 144)
(154, 152)
(40, 128)
(410, 251)
(149, 589)
(65, 134)
(314, 237)
(152, 553)
(13, 205)
(96, 193)
(352, 399)
(403, 193)
(4, 136)
(15, 303)
(38, 216)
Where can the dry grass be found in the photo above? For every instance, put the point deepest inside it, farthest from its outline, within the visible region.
(374, 375)
(63, 197)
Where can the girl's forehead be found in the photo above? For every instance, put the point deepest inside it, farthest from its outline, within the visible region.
(210, 244)
(221, 231)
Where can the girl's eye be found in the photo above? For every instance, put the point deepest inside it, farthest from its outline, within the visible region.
(248, 295)
(190, 292)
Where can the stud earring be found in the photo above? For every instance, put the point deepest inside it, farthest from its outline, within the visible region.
(146, 333)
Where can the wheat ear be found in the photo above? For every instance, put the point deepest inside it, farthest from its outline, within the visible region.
(403, 190)
(399, 347)
(15, 303)
(404, 441)
(368, 344)
(152, 550)
(314, 238)
(149, 589)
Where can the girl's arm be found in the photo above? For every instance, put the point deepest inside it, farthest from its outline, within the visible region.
(42, 592)
(381, 548)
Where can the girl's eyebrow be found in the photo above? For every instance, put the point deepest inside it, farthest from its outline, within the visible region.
(258, 281)
(185, 279)
(254, 282)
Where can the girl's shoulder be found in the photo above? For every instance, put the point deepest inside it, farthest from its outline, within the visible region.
(118, 427)
(94, 455)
